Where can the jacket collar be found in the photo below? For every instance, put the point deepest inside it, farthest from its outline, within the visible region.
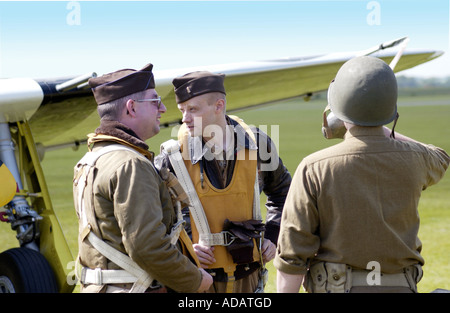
(199, 149)
(114, 131)
(361, 131)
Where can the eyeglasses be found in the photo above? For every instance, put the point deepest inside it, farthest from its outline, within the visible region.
(158, 103)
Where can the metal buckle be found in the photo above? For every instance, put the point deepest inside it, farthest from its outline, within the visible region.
(228, 238)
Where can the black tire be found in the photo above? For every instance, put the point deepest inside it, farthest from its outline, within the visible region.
(24, 270)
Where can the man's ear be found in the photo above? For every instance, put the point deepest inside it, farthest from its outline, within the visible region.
(220, 105)
(130, 104)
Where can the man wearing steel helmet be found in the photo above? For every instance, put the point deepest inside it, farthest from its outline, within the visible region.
(353, 206)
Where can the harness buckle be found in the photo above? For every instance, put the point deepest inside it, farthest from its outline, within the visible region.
(228, 238)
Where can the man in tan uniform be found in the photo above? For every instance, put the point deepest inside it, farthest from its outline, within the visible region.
(350, 221)
(128, 239)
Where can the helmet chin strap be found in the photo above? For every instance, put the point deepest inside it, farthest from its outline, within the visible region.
(393, 127)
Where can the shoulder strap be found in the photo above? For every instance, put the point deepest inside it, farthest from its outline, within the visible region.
(91, 157)
(256, 194)
(83, 167)
(172, 148)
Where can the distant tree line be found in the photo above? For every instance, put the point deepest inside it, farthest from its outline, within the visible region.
(409, 86)
(418, 82)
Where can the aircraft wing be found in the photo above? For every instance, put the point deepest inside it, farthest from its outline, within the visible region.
(63, 111)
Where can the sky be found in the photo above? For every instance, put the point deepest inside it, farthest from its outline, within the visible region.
(44, 39)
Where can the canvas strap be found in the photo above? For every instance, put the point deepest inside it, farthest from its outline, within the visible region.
(172, 148)
(206, 238)
(131, 272)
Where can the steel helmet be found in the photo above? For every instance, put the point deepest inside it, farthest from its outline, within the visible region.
(364, 92)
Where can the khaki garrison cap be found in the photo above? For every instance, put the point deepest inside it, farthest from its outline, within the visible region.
(197, 83)
(121, 83)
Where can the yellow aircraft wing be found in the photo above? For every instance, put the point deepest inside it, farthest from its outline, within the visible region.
(62, 111)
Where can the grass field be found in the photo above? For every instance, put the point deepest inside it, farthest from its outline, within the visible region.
(423, 116)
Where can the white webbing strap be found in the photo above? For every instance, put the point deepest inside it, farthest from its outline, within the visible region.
(142, 279)
(206, 238)
(101, 277)
(224, 238)
(256, 202)
(85, 165)
(172, 147)
(178, 227)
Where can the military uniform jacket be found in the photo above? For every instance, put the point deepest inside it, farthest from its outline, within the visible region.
(134, 214)
(356, 202)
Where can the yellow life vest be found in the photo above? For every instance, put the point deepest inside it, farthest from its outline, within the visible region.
(235, 202)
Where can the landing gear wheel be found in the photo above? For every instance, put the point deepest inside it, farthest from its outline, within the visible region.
(23, 270)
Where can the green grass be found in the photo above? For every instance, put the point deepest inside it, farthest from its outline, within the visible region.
(423, 116)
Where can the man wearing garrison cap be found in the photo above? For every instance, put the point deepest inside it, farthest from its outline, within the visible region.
(222, 157)
(127, 239)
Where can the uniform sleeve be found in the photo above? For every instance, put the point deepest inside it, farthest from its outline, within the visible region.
(139, 212)
(299, 239)
(437, 160)
(274, 181)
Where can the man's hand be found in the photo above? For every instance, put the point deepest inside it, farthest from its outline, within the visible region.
(268, 250)
(207, 281)
(288, 283)
(205, 255)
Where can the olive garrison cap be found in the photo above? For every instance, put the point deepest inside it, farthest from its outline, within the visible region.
(197, 83)
(121, 83)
